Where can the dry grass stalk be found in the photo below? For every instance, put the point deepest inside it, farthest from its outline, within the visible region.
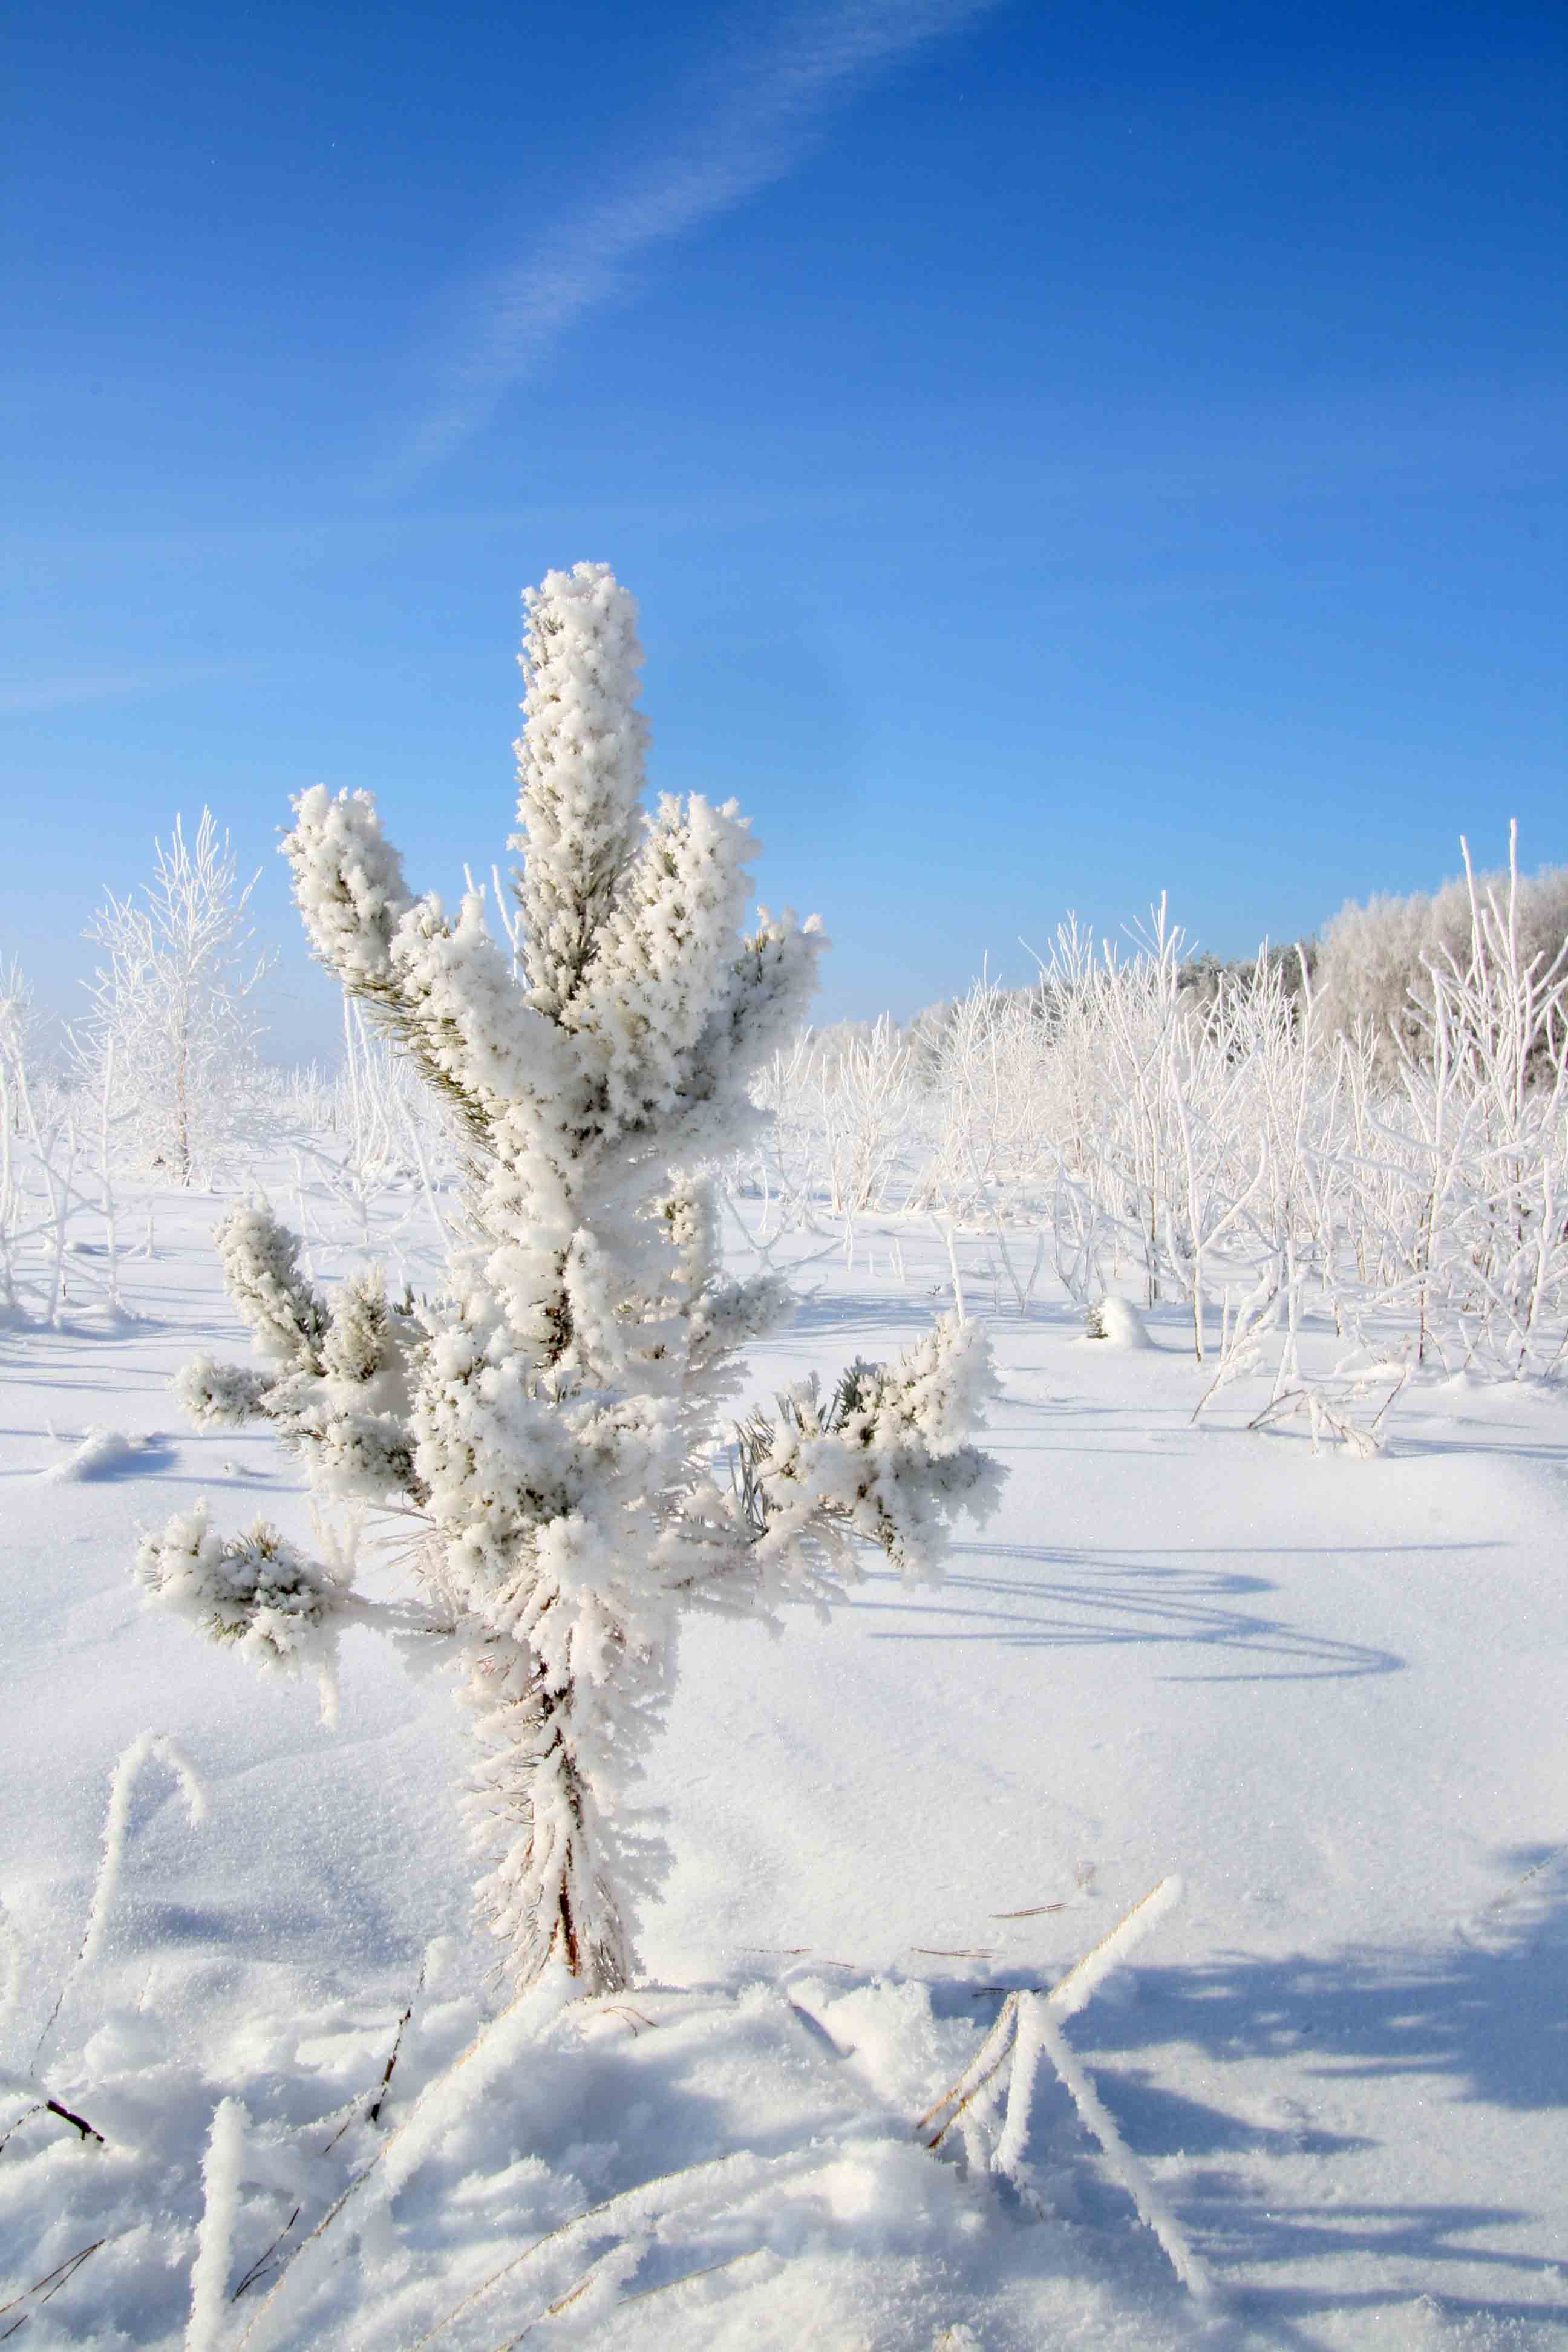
(980, 2069)
(562, 2229)
(686, 2278)
(373, 2113)
(263, 2261)
(43, 2290)
(994, 2050)
(390, 2142)
(1029, 2024)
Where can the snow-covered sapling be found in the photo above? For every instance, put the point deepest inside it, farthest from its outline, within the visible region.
(554, 1428)
(173, 1028)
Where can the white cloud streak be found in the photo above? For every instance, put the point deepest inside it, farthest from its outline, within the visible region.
(756, 122)
(28, 698)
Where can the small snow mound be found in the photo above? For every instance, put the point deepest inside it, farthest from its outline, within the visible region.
(1118, 1321)
(96, 1454)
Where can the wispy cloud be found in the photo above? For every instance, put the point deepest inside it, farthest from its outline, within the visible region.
(748, 126)
(28, 698)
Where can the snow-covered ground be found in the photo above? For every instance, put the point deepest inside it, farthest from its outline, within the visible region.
(1326, 1692)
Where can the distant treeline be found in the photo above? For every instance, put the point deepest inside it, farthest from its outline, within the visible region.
(1367, 968)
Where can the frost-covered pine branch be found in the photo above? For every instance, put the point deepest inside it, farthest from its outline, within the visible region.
(556, 1425)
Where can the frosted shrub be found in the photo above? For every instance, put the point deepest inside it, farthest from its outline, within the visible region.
(1225, 1141)
(55, 1144)
(1485, 1240)
(172, 1030)
(868, 1113)
(1377, 958)
(553, 1431)
(1116, 1320)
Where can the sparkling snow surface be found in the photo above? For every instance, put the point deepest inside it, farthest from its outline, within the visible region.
(1329, 1693)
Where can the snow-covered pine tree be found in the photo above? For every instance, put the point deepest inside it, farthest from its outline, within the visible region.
(554, 1428)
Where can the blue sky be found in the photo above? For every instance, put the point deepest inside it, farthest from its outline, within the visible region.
(1062, 453)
